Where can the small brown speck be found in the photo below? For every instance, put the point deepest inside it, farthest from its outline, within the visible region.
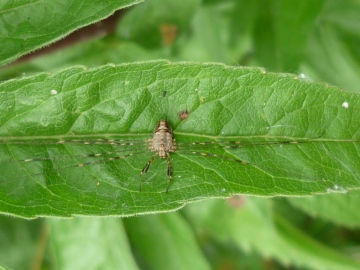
(237, 201)
(169, 33)
(183, 114)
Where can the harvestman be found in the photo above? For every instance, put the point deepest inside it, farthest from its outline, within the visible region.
(162, 143)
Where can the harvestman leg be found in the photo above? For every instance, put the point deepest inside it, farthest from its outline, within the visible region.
(169, 170)
(146, 168)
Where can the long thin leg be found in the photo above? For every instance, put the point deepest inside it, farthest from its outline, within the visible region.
(146, 168)
(169, 171)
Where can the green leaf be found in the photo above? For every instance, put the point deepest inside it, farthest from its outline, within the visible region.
(254, 227)
(125, 102)
(337, 64)
(102, 241)
(332, 52)
(283, 29)
(21, 242)
(208, 24)
(178, 244)
(332, 207)
(29, 25)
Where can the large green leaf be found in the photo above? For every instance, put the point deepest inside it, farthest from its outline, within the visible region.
(125, 102)
(29, 25)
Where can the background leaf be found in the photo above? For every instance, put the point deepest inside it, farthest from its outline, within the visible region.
(275, 28)
(108, 250)
(263, 231)
(331, 207)
(29, 25)
(181, 246)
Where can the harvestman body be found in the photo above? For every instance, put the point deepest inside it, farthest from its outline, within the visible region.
(162, 143)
